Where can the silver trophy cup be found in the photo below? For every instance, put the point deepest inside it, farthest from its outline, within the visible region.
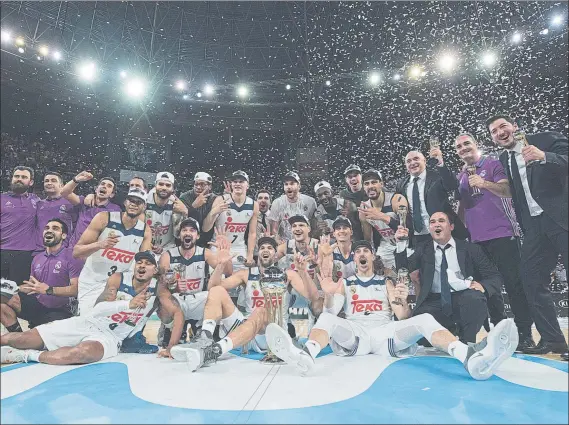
(274, 287)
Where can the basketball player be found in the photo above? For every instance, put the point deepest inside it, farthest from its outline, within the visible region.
(370, 302)
(300, 242)
(109, 245)
(343, 257)
(376, 213)
(123, 308)
(161, 206)
(241, 329)
(231, 214)
(189, 264)
(329, 207)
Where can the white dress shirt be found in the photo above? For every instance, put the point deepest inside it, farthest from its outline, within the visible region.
(453, 272)
(534, 208)
(421, 187)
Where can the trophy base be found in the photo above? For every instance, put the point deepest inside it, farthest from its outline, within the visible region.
(270, 358)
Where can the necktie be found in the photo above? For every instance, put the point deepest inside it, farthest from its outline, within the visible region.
(264, 220)
(417, 219)
(446, 300)
(517, 183)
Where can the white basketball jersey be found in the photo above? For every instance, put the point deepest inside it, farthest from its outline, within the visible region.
(190, 272)
(100, 265)
(343, 267)
(160, 221)
(129, 321)
(234, 222)
(322, 215)
(287, 262)
(254, 296)
(367, 301)
(386, 232)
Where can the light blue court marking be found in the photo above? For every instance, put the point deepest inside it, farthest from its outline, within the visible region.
(415, 390)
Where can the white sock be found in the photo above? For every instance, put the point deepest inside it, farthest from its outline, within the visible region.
(209, 325)
(33, 355)
(226, 344)
(458, 350)
(313, 347)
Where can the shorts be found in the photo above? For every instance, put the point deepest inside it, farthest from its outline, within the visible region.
(71, 332)
(38, 314)
(15, 265)
(87, 300)
(192, 305)
(257, 344)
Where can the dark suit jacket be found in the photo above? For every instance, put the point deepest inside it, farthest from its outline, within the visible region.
(438, 185)
(471, 259)
(547, 182)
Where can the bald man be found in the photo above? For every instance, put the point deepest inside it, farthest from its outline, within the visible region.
(427, 192)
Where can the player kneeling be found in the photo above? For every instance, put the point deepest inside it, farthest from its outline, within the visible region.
(122, 310)
(369, 302)
(241, 329)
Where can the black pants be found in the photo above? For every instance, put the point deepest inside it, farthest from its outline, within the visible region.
(38, 314)
(15, 265)
(469, 310)
(505, 253)
(544, 242)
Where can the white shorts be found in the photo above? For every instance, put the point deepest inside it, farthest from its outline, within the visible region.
(258, 344)
(88, 300)
(71, 332)
(192, 305)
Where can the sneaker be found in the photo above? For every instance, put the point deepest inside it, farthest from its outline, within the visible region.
(196, 357)
(202, 339)
(280, 343)
(484, 357)
(137, 344)
(13, 355)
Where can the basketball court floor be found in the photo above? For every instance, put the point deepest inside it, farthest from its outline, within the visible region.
(429, 388)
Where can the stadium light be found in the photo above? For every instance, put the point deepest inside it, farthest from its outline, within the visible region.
(516, 38)
(123, 74)
(185, 97)
(20, 42)
(397, 77)
(21, 50)
(544, 31)
(489, 59)
(135, 88)
(287, 87)
(57, 55)
(199, 94)
(447, 62)
(374, 78)
(43, 50)
(181, 85)
(328, 82)
(557, 20)
(242, 91)
(6, 36)
(415, 72)
(87, 71)
(208, 89)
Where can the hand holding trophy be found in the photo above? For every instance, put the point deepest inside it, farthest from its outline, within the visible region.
(402, 213)
(274, 287)
(403, 285)
(435, 153)
(471, 169)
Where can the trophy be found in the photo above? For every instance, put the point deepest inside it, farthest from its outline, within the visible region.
(520, 137)
(403, 277)
(171, 280)
(433, 143)
(402, 213)
(471, 169)
(274, 286)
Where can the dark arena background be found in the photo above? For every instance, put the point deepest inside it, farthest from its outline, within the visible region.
(133, 88)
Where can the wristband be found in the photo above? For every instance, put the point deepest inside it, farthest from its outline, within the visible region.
(75, 181)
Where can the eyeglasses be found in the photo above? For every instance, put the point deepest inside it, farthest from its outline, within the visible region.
(201, 184)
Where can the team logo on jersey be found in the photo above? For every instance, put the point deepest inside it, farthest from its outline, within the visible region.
(158, 229)
(365, 306)
(9, 204)
(57, 267)
(232, 227)
(123, 316)
(228, 213)
(34, 202)
(118, 255)
(189, 285)
(62, 209)
(483, 173)
(353, 289)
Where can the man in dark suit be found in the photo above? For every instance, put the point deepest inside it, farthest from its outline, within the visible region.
(455, 278)
(537, 174)
(427, 192)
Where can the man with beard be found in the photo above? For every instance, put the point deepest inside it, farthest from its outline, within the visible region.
(104, 192)
(355, 193)
(537, 174)
(17, 226)
(239, 329)
(377, 215)
(109, 244)
(53, 206)
(370, 302)
(199, 201)
(126, 303)
(263, 229)
(329, 208)
(161, 206)
(120, 195)
(45, 295)
(291, 203)
(189, 265)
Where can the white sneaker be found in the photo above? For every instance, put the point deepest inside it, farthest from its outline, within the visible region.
(196, 357)
(485, 357)
(280, 343)
(13, 355)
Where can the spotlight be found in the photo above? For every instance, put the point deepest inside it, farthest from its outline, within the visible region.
(199, 94)
(397, 77)
(87, 71)
(489, 59)
(135, 88)
(185, 97)
(557, 20)
(447, 62)
(242, 91)
(374, 78)
(57, 55)
(208, 89)
(21, 50)
(516, 37)
(20, 42)
(6, 36)
(44, 51)
(415, 72)
(180, 85)
(287, 87)
(544, 31)
(123, 74)
(328, 82)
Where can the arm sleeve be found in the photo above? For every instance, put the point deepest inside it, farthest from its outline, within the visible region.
(108, 308)
(339, 300)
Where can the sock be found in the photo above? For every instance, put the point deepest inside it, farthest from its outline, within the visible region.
(209, 325)
(15, 327)
(226, 344)
(458, 350)
(33, 355)
(313, 348)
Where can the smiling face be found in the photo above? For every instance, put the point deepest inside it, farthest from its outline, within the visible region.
(188, 236)
(343, 233)
(136, 182)
(291, 188)
(363, 258)
(373, 188)
(53, 234)
(134, 206)
(415, 163)
(164, 189)
(52, 185)
(264, 201)
(105, 190)
(266, 255)
(239, 186)
(354, 181)
(502, 132)
(440, 228)
(466, 149)
(144, 270)
(324, 196)
(202, 186)
(300, 231)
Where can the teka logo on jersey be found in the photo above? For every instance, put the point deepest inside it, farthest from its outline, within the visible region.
(259, 299)
(362, 306)
(123, 316)
(234, 227)
(118, 255)
(189, 285)
(158, 229)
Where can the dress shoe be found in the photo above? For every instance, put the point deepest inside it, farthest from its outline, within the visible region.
(526, 342)
(565, 356)
(545, 347)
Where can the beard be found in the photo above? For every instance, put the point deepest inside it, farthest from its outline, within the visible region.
(132, 215)
(188, 243)
(19, 188)
(164, 194)
(266, 262)
(52, 242)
